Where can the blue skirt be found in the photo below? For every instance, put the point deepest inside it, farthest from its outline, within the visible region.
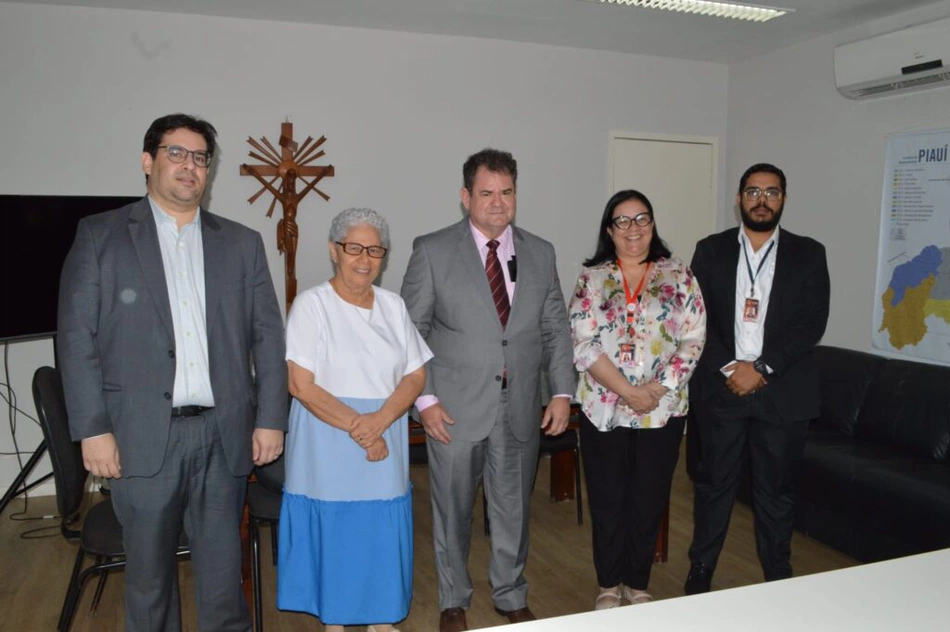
(346, 561)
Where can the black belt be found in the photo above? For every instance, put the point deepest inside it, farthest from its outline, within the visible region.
(190, 411)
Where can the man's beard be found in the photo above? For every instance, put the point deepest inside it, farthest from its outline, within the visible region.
(761, 226)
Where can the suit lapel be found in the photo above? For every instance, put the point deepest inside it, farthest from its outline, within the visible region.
(730, 263)
(144, 237)
(212, 244)
(528, 268)
(784, 256)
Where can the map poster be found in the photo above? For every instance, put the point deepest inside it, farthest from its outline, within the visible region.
(912, 299)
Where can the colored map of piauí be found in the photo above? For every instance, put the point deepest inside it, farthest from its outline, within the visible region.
(918, 289)
(912, 296)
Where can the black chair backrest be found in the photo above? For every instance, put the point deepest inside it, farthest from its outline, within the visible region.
(271, 476)
(66, 457)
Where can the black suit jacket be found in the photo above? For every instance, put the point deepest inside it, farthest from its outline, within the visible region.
(794, 324)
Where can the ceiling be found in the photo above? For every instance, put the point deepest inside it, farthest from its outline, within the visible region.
(573, 23)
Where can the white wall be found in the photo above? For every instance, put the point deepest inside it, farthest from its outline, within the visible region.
(401, 113)
(784, 108)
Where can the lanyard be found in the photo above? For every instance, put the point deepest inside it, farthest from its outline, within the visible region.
(633, 299)
(753, 277)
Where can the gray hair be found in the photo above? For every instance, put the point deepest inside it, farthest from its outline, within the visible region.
(351, 217)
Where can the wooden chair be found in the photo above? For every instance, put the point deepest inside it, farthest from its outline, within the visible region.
(564, 470)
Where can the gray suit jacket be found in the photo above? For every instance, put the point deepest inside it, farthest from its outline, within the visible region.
(116, 343)
(449, 300)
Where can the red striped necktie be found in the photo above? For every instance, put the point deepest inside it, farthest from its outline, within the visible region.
(496, 281)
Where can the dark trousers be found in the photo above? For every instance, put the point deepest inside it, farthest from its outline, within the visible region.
(732, 429)
(194, 491)
(629, 473)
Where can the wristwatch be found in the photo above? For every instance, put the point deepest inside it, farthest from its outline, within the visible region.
(759, 366)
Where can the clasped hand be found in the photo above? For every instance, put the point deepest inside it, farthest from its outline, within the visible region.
(744, 380)
(643, 399)
(367, 431)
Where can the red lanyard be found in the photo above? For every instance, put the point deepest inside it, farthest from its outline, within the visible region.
(632, 300)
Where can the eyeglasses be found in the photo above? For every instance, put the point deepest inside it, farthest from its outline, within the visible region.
(177, 153)
(623, 222)
(355, 249)
(754, 193)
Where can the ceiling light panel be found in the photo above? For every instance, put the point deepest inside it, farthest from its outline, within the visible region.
(707, 7)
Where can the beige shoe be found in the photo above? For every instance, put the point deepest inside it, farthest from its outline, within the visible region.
(608, 598)
(370, 628)
(636, 597)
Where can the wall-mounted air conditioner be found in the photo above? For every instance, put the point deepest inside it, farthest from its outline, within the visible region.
(913, 58)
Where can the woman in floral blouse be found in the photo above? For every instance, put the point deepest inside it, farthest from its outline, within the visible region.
(638, 325)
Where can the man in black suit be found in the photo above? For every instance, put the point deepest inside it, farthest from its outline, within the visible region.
(756, 386)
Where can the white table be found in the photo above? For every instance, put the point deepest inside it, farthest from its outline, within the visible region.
(910, 593)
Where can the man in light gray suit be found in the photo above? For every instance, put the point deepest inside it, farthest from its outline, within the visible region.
(171, 347)
(486, 297)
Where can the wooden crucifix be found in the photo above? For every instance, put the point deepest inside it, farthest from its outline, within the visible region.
(291, 163)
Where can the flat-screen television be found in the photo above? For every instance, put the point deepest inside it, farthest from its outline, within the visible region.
(37, 232)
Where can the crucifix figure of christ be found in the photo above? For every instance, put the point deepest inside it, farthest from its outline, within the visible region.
(291, 163)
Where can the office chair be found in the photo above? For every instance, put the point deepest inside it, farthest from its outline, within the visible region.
(101, 534)
(264, 497)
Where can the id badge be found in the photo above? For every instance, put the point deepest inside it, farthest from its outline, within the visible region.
(750, 313)
(627, 355)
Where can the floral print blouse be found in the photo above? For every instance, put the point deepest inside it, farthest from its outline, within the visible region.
(667, 338)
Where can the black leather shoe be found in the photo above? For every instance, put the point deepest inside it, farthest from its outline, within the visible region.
(452, 620)
(699, 579)
(517, 616)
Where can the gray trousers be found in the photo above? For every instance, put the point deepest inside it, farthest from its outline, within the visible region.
(196, 491)
(506, 468)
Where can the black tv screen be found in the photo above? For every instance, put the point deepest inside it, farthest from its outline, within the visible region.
(38, 231)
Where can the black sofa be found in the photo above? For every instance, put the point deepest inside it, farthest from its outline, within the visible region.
(876, 479)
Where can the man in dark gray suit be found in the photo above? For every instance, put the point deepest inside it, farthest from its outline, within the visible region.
(171, 347)
(486, 297)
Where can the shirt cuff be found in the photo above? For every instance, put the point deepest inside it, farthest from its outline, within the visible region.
(723, 370)
(425, 401)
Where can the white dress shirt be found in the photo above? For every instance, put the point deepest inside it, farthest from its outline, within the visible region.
(183, 262)
(750, 335)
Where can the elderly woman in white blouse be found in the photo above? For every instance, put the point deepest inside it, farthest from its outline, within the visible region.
(356, 364)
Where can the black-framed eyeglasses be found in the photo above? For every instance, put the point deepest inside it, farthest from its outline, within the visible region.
(355, 249)
(623, 222)
(752, 194)
(177, 153)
